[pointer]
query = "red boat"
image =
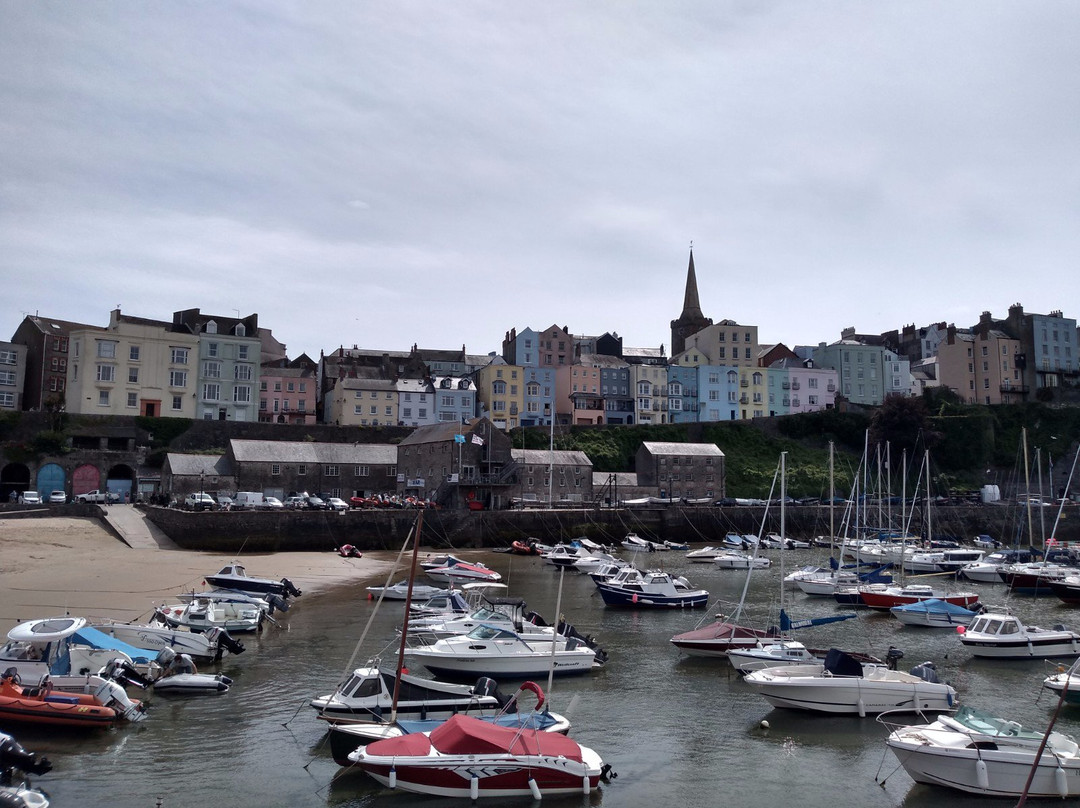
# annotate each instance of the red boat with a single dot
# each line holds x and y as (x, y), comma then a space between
(467, 757)
(716, 639)
(891, 596)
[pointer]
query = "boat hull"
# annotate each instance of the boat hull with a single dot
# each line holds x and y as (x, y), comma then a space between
(614, 596)
(716, 639)
(1004, 773)
(1033, 648)
(803, 688)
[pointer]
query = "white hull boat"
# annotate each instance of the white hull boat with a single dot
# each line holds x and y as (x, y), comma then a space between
(400, 591)
(503, 654)
(202, 614)
(1004, 636)
(235, 576)
(202, 646)
(735, 560)
(979, 753)
(841, 685)
(705, 555)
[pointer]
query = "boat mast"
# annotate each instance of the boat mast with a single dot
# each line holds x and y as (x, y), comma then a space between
(783, 524)
(1027, 489)
(405, 620)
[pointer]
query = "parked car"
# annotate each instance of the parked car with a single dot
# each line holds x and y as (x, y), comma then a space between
(295, 502)
(248, 499)
(316, 504)
(199, 502)
(57, 497)
(225, 503)
(30, 498)
(99, 496)
(337, 504)
(272, 503)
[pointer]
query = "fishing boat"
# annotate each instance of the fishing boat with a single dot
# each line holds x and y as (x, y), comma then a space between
(843, 685)
(469, 758)
(933, 613)
(652, 589)
(235, 576)
(999, 635)
(980, 753)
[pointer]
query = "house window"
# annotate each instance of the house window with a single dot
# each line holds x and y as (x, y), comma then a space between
(211, 392)
(275, 468)
(241, 350)
(106, 373)
(211, 348)
(177, 378)
(177, 402)
(361, 471)
(332, 471)
(103, 398)
(133, 375)
(106, 349)
(242, 394)
(242, 373)
(133, 399)
(133, 353)
(212, 370)
(301, 469)
(178, 356)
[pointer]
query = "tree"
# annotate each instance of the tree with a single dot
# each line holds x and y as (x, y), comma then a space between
(903, 422)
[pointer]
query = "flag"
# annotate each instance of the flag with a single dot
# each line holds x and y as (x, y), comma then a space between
(477, 440)
(459, 438)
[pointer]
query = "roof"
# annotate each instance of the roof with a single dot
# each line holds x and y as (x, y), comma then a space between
(190, 465)
(363, 383)
(274, 451)
(544, 457)
(682, 449)
(440, 433)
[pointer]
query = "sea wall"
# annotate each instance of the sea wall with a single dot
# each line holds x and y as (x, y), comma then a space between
(271, 531)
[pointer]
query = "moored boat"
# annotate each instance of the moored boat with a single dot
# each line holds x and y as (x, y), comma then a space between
(467, 757)
(933, 613)
(998, 635)
(652, 589)
(235, 576)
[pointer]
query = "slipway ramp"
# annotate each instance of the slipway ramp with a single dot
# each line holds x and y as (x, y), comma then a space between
(135, 530)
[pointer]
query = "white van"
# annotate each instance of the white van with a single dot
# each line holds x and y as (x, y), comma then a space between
(248, 499)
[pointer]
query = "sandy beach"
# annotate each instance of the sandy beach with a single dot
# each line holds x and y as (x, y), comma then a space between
(53, 566)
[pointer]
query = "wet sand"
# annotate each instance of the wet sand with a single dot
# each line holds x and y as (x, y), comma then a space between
(58, 565)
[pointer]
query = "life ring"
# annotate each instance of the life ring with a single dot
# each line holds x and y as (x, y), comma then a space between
(535, 688)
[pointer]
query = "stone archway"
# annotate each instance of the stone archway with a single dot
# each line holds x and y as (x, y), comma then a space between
(14, 479)
(51, 477)
(121, 481)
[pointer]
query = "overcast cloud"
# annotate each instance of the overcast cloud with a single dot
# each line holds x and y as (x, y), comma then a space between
(438, 173)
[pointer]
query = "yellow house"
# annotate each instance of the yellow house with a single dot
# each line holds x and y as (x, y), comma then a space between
(500, 390)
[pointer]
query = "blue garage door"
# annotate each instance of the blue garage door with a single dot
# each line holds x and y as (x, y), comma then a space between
(51, 477)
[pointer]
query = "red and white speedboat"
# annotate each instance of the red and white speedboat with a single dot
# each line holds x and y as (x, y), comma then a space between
(467, 757)
(891, 596)
(459, 572)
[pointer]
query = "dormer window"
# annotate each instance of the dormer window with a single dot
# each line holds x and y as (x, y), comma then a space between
(211, 327)
(241, 330)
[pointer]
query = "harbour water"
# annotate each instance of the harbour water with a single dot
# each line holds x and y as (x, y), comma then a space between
(677, 730)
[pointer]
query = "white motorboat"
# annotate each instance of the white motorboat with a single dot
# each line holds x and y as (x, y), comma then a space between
(400, 591)
(635, 543)
(979, 753)
(997, 635)
(367, 695)
(508, 613)
(567, 555)
(591, 563)
(443, 607)
(235, 576)
(501, 654)
(651, 589)
(469, 758)
(931, 561)
(158, 634)
(605, 572)
(201, 614)
(705, 555)
(737, 560)
(843, 685)
(771, 655)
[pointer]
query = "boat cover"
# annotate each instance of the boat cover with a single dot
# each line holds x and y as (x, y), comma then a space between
(99, 639)
(936, 606)
(465, 735)
(840, 664)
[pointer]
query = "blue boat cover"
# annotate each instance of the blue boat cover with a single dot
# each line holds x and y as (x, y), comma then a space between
(99, 639)
(935, 606)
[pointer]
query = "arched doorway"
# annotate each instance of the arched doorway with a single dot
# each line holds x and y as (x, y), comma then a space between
(14, 479)
(84, 479)
(51, 477)
(121, 481)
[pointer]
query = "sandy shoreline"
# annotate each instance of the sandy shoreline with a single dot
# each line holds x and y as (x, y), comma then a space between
(57, 565)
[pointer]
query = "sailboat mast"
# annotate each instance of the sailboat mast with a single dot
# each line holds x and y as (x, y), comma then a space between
(405, 621)
(783, 523)
(1027, 489)
(832, 500)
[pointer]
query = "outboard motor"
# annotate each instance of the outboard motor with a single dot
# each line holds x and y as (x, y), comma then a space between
(485, 686)
(927, 671)
(224, 641)
(119, 670)
(14, 756)
(12, 674)
(276, 602)
(892, 656)
(290, 589)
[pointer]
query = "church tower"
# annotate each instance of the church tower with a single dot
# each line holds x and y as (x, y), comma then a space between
(691, 320)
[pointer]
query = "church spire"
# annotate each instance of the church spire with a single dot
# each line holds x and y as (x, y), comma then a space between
(691, 307)
(692, 319)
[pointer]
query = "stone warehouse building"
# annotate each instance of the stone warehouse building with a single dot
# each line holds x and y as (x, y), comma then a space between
(681, 470)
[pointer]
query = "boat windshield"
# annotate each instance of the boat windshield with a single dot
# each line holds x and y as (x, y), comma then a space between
(491, 633)
(989, 724)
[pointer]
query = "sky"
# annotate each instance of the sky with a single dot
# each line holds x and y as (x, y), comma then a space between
(437, 173)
